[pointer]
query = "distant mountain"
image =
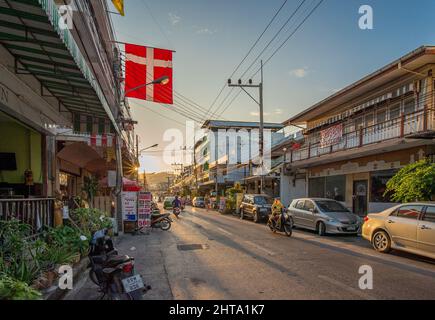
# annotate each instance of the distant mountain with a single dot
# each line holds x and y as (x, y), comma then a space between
(158, 177)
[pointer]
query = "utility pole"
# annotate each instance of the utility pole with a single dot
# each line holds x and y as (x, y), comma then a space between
(137, 158)
(260, 104)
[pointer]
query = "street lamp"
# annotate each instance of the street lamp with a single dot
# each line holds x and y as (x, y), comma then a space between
(138, 152)
(162, 80)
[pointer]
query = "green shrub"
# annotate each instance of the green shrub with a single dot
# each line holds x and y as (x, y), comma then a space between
(90, 220)
(13, 289)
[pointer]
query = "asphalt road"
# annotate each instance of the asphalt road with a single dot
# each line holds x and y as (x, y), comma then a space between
(207, 255)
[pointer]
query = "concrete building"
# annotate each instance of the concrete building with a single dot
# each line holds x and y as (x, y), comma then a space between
(61, 113)
(358, 138)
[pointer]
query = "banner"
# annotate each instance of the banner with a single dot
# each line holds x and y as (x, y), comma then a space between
(331, 136)
(129, 206)
(144, 209)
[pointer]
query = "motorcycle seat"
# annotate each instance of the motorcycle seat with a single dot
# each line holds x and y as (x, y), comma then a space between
(114, 261)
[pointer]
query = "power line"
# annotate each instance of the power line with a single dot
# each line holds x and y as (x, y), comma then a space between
(246, 56)
(291, 35)
(157, 23)
(274, 37)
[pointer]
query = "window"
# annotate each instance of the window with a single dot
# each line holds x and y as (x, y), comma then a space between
(309, 205)
(316, 188)
(394, 112)
(370, 120)
(408, 212)
(335, 188)
(429, 216)
(359, 123)
(76, 123)
(101, 125)
(409, 106)
(331, 206)
(379, 181)
(89, 124)
(381, 116)
(262, 200)
(300, 204)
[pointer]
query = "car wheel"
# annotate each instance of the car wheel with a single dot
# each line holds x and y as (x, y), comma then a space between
(256, 217)
(321, 229)
(381, 242)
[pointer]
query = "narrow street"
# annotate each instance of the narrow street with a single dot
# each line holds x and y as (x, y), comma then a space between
(207, 255)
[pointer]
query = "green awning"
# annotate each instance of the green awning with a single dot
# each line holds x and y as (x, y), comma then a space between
(30, 31)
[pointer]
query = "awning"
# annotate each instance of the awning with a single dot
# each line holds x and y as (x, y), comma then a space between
(127, 184)
(84, 156)
(30, 31)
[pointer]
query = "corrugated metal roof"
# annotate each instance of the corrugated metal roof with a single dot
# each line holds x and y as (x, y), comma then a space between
(222, 124)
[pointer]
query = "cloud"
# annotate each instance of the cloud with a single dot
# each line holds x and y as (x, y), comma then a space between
(300, 72)
(173, 18)
(266, 114)
(205, 31)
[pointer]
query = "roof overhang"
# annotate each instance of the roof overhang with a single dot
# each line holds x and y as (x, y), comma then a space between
(30, 31)
(412, 61)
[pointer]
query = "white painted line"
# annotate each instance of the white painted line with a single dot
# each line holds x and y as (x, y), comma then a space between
(357, 292)
(269, 252)
(225, 231)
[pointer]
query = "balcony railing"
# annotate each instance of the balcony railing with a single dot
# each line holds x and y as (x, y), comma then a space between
(35, 212)
(420, 121)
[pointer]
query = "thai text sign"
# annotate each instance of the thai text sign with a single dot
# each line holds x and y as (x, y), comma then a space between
(129, 206)
(331, 136)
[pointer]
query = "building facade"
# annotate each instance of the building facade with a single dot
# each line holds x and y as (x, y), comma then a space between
(358, 138)
(60, 104)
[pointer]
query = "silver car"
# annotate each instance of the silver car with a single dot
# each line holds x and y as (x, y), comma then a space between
(408, 227)
(324, 216)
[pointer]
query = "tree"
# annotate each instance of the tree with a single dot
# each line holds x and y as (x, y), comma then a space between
(414, 182)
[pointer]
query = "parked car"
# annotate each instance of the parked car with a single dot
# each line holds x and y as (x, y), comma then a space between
(256, 206)
(408, 227)
(198, 202)
(167, 203)
(323, 216)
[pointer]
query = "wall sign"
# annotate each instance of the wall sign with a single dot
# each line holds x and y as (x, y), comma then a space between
(331, 136)
(144, 209)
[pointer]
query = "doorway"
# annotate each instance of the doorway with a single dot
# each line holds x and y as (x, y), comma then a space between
(360, 197)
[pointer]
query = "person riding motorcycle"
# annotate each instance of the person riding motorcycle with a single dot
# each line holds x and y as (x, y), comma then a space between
(277, 208)
(176, 203)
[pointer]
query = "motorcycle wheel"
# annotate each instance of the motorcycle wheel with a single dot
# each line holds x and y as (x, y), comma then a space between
(165, 225)
(93, 277)
(288, 229)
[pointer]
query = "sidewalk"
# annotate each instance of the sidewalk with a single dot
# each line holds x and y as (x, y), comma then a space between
(149, 262)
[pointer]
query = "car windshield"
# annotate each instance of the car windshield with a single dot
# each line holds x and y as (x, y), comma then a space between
(331, 206)
(200, 199)
(262, 200)
(169, 199)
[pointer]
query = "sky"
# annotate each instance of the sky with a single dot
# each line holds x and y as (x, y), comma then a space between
(211, 37)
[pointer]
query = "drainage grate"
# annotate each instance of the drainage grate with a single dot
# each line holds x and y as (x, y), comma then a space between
(190, 247)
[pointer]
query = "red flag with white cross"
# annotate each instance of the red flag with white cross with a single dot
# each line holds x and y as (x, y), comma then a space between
(144, 67)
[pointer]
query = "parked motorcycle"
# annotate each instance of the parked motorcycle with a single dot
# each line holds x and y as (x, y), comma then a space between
(161, 221)
(114, 274)
(286, 225)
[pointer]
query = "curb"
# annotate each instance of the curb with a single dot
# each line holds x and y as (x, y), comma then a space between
(55, 293)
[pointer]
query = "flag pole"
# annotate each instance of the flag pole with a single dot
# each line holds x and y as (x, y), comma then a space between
(120, 42)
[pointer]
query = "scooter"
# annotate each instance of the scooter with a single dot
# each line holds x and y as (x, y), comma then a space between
(114, 274)
(176, 211)
(161, 221)
(286, 224)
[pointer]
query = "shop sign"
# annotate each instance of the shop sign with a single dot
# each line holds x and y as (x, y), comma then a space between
(144, 209)
(129, 206)
(331, 136)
